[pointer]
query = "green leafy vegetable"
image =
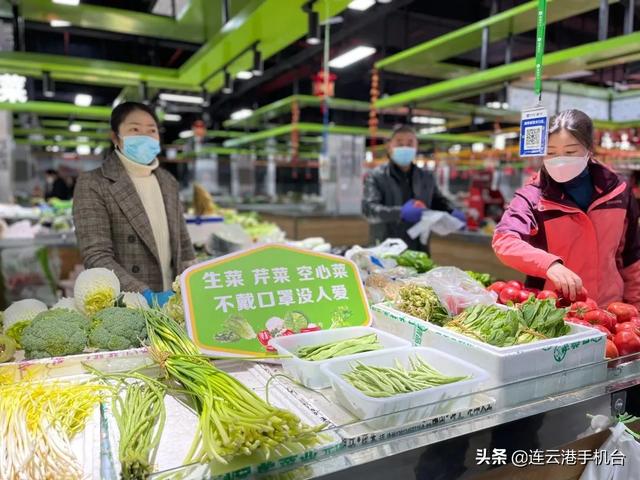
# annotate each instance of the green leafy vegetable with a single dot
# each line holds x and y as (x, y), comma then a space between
(541, 319)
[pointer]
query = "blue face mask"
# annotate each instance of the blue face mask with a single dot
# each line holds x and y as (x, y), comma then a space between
(403, 156)
(140, 148)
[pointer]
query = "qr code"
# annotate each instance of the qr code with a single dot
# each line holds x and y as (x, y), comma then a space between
(533, 137)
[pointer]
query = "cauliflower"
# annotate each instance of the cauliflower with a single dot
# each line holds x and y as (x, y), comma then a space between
(96, 289)
(19, 315)
(118, 329)
(134, 300)
(55, 333)
(67, 303)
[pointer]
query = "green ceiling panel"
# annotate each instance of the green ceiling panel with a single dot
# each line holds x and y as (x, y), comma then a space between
(609, 52)
(188, 28)
(273, 23)
(425, 59)
(51, 132)
(84, 125)
(347, 130)
(55, 109)
(81, 70)
(62, 144)
(282, 107)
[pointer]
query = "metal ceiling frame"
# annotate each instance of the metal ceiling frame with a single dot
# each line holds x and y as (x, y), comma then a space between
(347, 130)
(426, 58)
(58, 109)
(583, 57)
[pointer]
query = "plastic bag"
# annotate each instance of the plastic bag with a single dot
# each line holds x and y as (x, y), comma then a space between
(369, 260)
(619, 444)
(455, 288)
(440, 223)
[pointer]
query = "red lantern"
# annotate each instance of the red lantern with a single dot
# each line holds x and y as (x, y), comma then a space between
(319, 83)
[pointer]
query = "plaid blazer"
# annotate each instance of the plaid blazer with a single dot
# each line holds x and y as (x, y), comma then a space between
(113, 229)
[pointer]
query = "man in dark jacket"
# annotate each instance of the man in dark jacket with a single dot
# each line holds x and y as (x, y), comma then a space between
(396, 194)
(56, 187)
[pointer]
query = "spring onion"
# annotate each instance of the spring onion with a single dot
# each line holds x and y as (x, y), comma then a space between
(233, 420)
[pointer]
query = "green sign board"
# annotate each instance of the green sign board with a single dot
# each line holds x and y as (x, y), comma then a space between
(235, 304)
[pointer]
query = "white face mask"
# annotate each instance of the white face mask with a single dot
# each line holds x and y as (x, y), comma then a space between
(564, 169)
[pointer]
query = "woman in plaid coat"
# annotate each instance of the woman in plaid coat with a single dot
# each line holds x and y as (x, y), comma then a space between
(127, 213)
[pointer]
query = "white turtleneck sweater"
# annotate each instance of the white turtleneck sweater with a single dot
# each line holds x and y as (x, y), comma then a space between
(146, 184)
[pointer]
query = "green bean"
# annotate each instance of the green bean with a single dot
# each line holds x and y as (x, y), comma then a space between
(340, 348)
(388, 381)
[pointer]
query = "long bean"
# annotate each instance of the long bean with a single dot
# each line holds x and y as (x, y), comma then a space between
(340, 348)
(388, 381)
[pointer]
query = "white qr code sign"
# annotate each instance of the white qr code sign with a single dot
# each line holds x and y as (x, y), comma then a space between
(533, 132)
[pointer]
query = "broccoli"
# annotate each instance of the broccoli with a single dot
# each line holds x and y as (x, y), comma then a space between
(55, 333)
(117, 329)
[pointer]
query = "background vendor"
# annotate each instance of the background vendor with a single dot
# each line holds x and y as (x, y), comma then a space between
(127, 213)
(575, 225)
(396, 194)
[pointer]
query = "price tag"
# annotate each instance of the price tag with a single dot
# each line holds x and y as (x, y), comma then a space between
(235, 304)
(533, 132)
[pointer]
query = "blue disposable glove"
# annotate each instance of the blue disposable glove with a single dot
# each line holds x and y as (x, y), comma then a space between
(459, 214)
(412, 211)
(157, 299)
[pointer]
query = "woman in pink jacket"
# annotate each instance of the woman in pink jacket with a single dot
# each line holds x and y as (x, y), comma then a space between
(575, 225)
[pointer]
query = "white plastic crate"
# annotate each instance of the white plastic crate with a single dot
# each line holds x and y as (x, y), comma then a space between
(433, 400)
(310, 373)
(582, 346)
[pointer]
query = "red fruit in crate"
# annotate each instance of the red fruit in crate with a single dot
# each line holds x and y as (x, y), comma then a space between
(627, 326)
(544, 294)
(627, 342)
(515, 284)
(497, 287)
(604, 330)
(601, 317)
(579, 309)
(623, 311)
(524, 296)
(591, 303)
(612, 350)
(509, 294)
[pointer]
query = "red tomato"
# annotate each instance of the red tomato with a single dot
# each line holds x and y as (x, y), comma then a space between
(310, 329)
(509, 294)
(497, 287)
(579, 309)
(263, 337)
(627, 342)
(612, 350)
(623, 311)
(515, 284)
(601, 317)
(286, 333)
(524, 296)
(591, 303)
(627, 326)
(581, 296)
(635, 321)
(535, 291)
(604, 330)
(544, 294)
(578, 321)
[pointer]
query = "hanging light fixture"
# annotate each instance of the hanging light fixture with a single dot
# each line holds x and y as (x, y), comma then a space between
(313, 36)
(227, 89)
(258, 63)
(48, 86)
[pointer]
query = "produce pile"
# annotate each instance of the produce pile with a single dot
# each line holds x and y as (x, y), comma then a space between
(382, 382)
(341, 348)
(233, 420)
(38, 421)
(99, 317)
(533, 320)
(423, 303)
